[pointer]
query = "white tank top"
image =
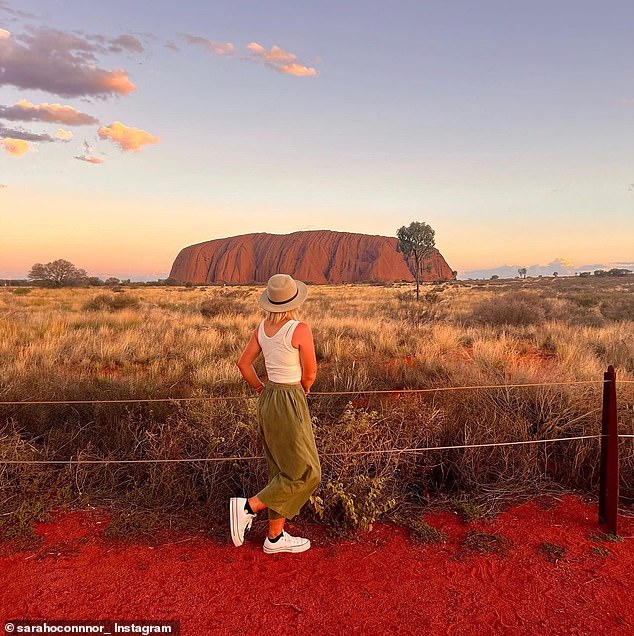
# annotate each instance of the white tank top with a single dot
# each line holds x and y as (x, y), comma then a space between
(280, 356)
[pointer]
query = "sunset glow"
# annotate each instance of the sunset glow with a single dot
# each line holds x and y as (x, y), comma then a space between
(127, 134)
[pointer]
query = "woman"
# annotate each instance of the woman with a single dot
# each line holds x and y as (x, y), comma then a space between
(283, 416)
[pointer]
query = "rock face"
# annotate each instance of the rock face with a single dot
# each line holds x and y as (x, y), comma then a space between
(316, 256)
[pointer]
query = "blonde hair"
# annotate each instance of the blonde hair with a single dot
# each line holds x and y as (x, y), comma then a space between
(279, 316)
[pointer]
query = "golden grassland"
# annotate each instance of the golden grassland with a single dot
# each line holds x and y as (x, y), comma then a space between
(160, 342)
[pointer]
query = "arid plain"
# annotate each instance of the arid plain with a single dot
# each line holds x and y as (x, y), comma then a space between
(128, 343)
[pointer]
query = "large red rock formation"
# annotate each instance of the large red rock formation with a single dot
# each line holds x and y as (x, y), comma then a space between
(317, 256)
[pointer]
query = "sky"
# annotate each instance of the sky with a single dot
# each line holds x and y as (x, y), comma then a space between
(129, 130)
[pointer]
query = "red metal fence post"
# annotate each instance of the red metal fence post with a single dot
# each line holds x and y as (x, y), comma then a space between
(609, 467)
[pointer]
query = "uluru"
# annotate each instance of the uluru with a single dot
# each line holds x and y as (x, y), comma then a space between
(314, 256)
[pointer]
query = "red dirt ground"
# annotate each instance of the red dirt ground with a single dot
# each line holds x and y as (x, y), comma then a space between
(381, 584)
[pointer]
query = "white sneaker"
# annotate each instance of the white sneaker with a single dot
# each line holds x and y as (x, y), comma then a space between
(239, 519)
(286, 543)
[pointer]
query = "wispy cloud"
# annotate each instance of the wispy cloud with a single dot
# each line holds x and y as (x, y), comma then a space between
(4, 34)
(3, 185)
(125, 43)
(281, 60)
(5, 8)
(218, 48)
(54, 113)
(274, 58)
(20, 133)
(61, 63)
(64, 135)
(89, 159)
(128, 138)
(15, 147)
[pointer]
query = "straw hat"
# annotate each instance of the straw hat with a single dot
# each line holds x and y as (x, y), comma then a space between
(283, 293)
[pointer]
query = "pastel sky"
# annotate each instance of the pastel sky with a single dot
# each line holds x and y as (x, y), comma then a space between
(129, 130)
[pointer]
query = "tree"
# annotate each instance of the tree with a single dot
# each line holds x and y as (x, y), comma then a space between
(416, 242)
(59, 273)
(522, 272)
(555, 274)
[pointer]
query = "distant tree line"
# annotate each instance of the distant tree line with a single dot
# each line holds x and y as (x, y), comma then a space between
(62, 273)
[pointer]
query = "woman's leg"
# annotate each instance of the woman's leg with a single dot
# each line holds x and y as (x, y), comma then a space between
(275, 525)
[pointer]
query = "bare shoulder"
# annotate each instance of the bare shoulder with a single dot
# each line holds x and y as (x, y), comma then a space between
(302, 334)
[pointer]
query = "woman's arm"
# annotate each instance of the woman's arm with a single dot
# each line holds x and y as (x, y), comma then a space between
(245, 363)
(303, 340)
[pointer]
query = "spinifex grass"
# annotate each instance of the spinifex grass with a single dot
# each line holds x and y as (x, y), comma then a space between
(181, 342)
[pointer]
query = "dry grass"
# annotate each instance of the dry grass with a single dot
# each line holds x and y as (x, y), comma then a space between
(183, 342)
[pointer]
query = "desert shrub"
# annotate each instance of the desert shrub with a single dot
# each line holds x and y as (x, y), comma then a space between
(619, 308)
(354, 506)
(21, 291)
(516, 309)
(106, 302)
(220, 305)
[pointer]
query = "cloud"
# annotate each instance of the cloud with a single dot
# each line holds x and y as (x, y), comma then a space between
(3, 185)
(171, 46)
(129, 139)
(218, 48)
(19, 133)
(281, 60)
(4, 34)
(54, 113)
(89, 159)
(64, 135)
(119, 44)
(4, 6)
(61, 63)
(126, 42)
(275, 58)
(15, 147)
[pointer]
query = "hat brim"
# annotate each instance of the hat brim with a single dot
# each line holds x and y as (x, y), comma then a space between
(302, 292)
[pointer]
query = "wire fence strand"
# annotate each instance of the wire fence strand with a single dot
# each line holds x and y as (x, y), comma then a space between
(315, 394)
(387, 451)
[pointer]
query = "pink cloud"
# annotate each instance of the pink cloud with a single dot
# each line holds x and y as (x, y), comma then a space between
(54, 113)
(281, 60)
(276, 58)
(128, 138)
(15, 147)
(89, 159)
(61, 63)
(218, 48)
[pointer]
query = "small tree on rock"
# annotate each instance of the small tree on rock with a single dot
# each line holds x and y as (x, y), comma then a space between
(416, 242)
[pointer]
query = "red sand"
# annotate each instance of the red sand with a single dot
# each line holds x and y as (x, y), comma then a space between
(380, 584)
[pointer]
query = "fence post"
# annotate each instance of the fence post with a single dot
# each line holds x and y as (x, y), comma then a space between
(609, 467)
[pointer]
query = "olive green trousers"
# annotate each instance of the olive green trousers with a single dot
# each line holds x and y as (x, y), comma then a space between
(289, 448)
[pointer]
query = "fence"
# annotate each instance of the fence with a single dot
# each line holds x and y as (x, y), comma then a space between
(609, 436)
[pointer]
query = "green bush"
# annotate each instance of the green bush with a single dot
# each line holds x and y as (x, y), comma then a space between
(21, 291)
